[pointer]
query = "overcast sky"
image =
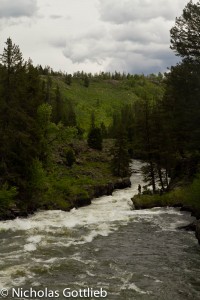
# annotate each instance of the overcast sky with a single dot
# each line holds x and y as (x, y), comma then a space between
(92, 35)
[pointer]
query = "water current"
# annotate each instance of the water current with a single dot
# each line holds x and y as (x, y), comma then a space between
(108, 245)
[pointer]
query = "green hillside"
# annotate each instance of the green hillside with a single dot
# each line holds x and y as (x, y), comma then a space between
(105, 97)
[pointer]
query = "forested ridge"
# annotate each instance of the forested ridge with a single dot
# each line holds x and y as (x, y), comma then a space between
(63, 134)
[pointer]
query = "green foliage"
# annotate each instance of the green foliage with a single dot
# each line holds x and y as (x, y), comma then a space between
(19, 99)
(146, 201)
(185, 34)
(69, 115)
(56, 196)
(182, 107)
(121, 159)
(11, 57)
(188, 195)
(95, 138)
(58, 106)
(103, 97)
(68, 79)
(70, 157)
(86, 81)
(192, 193)
(7, 196)
(38, 177)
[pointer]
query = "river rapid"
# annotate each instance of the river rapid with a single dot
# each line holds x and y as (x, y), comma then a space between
(130, 254)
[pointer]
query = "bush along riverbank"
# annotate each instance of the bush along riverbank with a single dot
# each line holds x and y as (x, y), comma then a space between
(187, 198)
(65, 185)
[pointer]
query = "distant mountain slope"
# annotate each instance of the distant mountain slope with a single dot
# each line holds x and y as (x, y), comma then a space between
(104, 97)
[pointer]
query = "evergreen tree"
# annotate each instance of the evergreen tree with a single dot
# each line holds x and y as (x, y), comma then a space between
(103, 130)
(185, 34)
(70, 157)
(68, 79)
(19, 98)
(58, 106)
(121, 159)
(48, 89)
(69, 118)
(95, 138)
(86, 81)
(182, 113)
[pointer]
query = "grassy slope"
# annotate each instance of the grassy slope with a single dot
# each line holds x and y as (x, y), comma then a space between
(61, 185)
(65, 185)
(187, 196)
(103, 97)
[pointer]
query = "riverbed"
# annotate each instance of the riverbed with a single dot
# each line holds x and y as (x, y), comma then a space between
(108, 245)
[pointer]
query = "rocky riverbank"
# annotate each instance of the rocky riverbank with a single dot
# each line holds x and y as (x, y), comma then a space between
(79, 201)
(101, 190)
(151, 201)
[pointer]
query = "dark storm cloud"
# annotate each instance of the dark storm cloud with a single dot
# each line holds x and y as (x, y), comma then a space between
(55, 17)
(94, 35)
(17, 8)
(58, 42)
(124, 11)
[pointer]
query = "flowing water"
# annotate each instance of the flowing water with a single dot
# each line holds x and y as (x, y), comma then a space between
(129, 254)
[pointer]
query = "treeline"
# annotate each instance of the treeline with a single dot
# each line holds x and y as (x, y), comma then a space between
(35, 122)
(165, 131)
(67, 77)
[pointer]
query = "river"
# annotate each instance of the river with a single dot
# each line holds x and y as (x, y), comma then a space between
(129, 254)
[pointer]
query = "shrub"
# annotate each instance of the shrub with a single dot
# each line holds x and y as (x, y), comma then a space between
(7, 195)
(70, 157)
(95, 138)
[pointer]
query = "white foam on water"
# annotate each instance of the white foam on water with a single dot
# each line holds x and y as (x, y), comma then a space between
(105, 210)
(33, 242)
(154, 278)
(126, 279)
(90, 274)
(30, 247)
(34, 239)
(133, 286)
(14, 275)
(58, 229)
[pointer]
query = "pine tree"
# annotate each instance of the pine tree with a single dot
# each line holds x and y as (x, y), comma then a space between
(86, 81)
(69, 117)
(68, 79)
(58, 106)
(185, 34)
(19, 99)
(95, 138)
(121, 159)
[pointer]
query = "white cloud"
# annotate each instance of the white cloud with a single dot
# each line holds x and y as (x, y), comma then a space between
(17, 8)
(124, 11)
(94, 35)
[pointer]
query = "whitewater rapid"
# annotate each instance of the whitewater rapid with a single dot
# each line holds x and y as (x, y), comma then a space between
(55, 248)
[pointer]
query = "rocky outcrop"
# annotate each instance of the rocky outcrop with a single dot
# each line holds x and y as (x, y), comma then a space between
(107, 189)
(12, 214)
(80, 200)
(122, 183)
(194, 226)
(189, 227)
(101, 190)
(197, 231)
(195, 213)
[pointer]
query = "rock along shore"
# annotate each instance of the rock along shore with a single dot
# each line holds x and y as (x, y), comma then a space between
(194, 226)
(79, 201)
